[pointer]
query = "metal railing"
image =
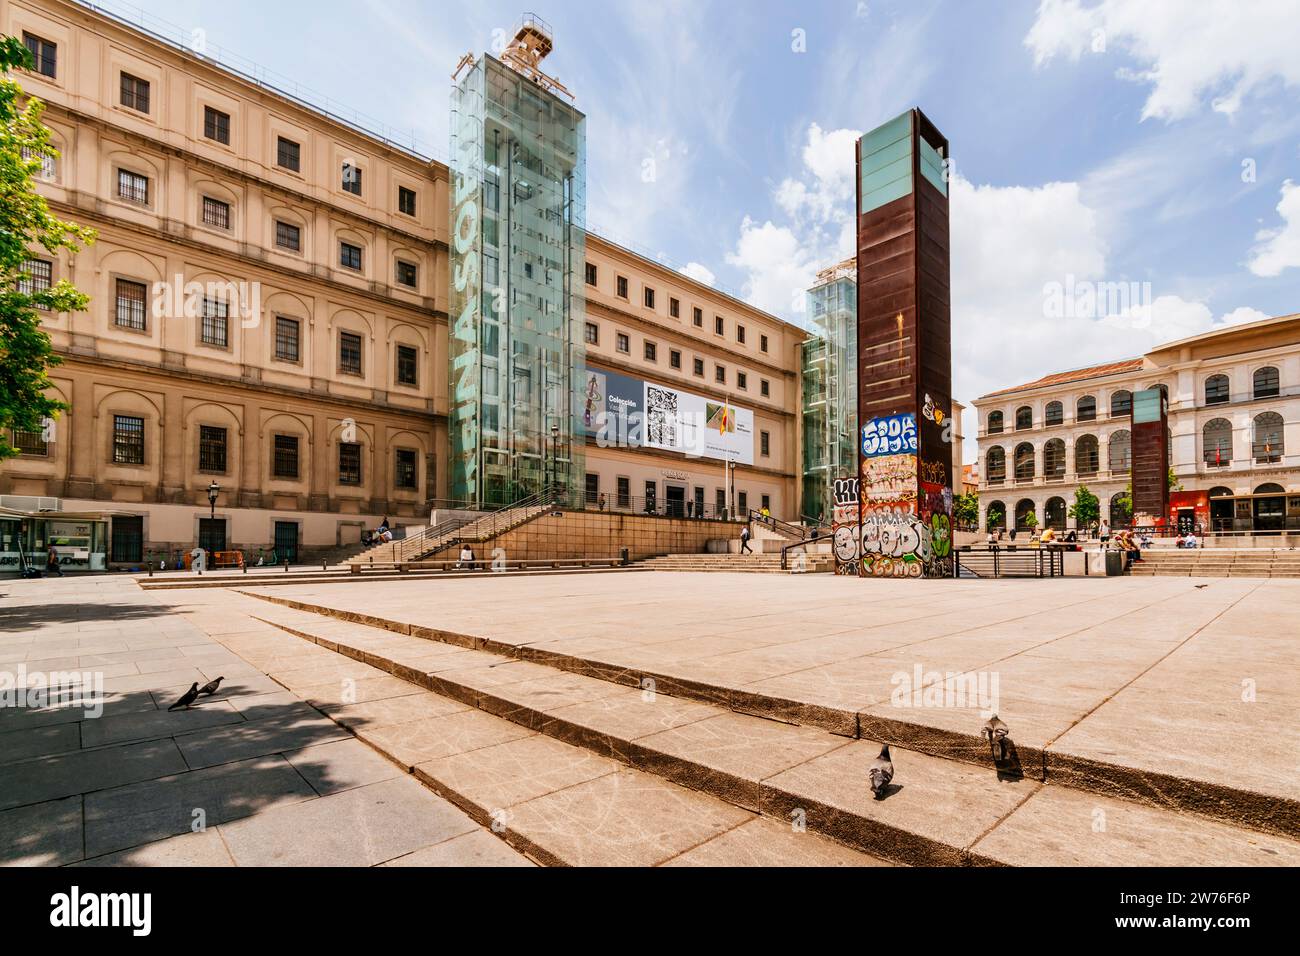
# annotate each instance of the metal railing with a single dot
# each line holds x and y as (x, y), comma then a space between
(1010, 562)
(797, 531)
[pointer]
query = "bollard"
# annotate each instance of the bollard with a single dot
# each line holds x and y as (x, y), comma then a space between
(286, 565)
(324, 565)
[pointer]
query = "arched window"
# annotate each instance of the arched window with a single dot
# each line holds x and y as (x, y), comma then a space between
(1164, 390)
(996, 465)
(1054, 513)
(1121, 402)
(995, 515)
(1216, 390)
(1120, 457)
(1054, 459)
(1218, 491)
(1267, 382)
(1054, 414)
(1120, 515)
(995, 423)
(1024, 418)
(1216, 437)
(1087, 456)
(1025, 508)
(1268, 437)
(1024, 462)
(1270, 488)
(1086, 409)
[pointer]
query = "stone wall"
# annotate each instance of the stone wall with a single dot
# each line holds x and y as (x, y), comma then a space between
(594, 534)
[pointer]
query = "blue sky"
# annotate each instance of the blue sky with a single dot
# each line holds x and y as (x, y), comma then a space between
(1104, 140)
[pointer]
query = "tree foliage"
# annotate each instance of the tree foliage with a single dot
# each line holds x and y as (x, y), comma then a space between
(26, 354)
(1086, 510)
(966, 509)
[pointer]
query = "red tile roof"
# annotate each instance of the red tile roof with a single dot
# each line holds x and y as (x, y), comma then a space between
(1078, 374)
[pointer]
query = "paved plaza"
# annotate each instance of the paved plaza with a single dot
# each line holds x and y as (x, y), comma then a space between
(656, 719)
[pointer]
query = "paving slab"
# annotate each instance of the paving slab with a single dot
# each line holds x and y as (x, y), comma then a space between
(767, 842)
(43, 834)
(49, 778)
(190, 849)
(478, 848)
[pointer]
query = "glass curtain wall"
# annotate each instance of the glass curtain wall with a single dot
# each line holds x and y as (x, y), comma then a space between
(830, 413)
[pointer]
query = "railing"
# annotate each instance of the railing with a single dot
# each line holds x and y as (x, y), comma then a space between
(1010, 562)
(798, 532)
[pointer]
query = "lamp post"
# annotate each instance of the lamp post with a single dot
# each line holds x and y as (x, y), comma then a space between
(213, 490)
(555, 457)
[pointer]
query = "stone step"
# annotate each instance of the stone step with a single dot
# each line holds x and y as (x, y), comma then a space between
(939, 812)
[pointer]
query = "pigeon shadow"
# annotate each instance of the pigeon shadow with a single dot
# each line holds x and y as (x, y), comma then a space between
(1007, 762)
(888, 790)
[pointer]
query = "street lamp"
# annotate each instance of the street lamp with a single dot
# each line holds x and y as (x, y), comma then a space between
(555, 457)
(213, 490)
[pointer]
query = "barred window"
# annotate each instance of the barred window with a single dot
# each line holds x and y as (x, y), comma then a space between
(128, 440)
(698, 367)
(764, 387)
(742, 380)
(697, 316)
(407, 365)
(212, 449)
(30, 442)
(406, 273)
(675, 308)
(350, 353)
(135, 93)
(39, 274)
(352, 179)
(349, 463)
(286, 339)
(216, 213)
(406, 200)
(404, 469)
(675, 358)
(288, 236)
(285, 460)
(740, 334)
(48, 170)
(214, 326)
(44, 53)
(288, 154)
(349, 256)
(130, 305)
(762, 343)
(216, 125)
(720, 374)
(651, 352)
(621, 287)
(132, 187)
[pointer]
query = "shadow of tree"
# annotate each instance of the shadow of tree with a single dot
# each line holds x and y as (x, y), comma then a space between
(35, 616)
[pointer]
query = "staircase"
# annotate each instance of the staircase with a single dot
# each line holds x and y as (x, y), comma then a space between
(758, 563)
(1219, 563)
(454, 532)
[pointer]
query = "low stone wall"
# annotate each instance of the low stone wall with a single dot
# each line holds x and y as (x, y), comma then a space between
(595, 534)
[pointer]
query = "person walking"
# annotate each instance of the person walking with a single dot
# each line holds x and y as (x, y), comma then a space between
(1103, 534)
(52, 562)
(744, 541)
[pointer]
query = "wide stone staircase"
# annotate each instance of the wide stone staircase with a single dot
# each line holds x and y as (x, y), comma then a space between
(1219, 563)
(428, 542)
(758, 563)
(578, 761)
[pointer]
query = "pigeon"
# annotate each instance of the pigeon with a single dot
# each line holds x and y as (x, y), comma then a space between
(1199, 586)
(210, 688)
(880, 773)
(187, 698)
(996, 732)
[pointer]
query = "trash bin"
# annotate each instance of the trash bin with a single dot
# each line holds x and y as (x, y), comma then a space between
(1114, 563)
(623, 554)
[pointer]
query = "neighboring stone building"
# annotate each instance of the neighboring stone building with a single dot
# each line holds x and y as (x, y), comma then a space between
(1234, 415)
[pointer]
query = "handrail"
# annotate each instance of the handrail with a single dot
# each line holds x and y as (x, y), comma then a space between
(788, 547)
(776, 524)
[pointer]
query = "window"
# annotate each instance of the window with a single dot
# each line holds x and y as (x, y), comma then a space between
(767, 503)
(623, 492)
(47, 170)
(288, 236)
(764, 444)
(352, 179)
(349, 463)
(214, 325)
(129, 312)
(1024, 462)
(405, 469)
(408, 359)
(742, 380)
(648, 296)
(44, 54)
(1217, 439)
(699, 367)
(1121, 403)
(1120, 454)
(349, 353)
(1216, 390)
(132, 187)
(995, 423)
(742, 506)
(38, 275)
(1086, 409)
(216, 213)
(996, 465)
(1087, 455)
(285, 460)
(622, 342)
(216, 125)
(406, 274)
(1024, 418)
(591, 334)
(720, 374)
(762, 343)
(719, 327)
(675, 358)
(29, 442)
(592, 489)
(764, 387)
(697, 316)
(212, 449)
(1054, 414)
(1266, 382)
(134, 93)
(1054, 459)
(651, 352)
(651, 497)
(286, 339)
(591, 273)
(1268, 437)
(350, 256)
(675, 308)
(288, 154)
(621, 287)
(406, 200)
(740, 334)
(128, 440)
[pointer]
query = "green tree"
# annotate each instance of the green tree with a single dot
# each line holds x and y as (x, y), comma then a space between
(1086, 510)
(995, 516)
(966, 510)
(26, 354)
(1031, 520)
(1125, 500)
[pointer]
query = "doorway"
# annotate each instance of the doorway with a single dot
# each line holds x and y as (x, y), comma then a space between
(286, 542)
(676, 500)
(212, 534)
(128, 538)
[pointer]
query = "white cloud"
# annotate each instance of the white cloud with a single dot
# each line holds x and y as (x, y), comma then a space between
(1279, 248)
(1222, 50)
(698, 272)
(779, 264)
